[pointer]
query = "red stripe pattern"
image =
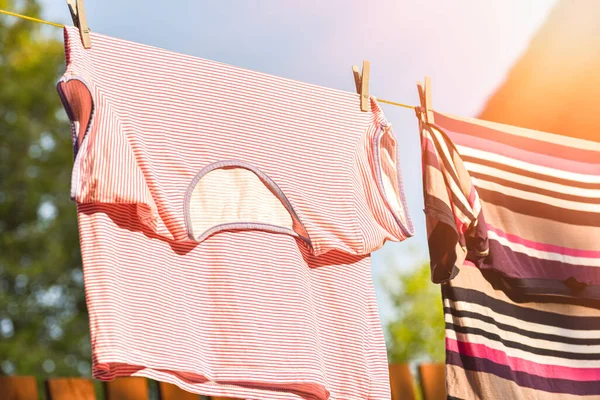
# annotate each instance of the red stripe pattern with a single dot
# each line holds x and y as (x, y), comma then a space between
(249, 312)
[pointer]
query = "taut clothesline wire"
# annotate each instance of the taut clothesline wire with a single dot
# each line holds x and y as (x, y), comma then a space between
(393, 103)
(31, 18)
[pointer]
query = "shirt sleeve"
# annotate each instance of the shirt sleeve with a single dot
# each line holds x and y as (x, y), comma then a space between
(388, 218)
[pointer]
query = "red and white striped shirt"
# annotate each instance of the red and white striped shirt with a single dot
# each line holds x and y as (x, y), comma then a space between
(226, 220)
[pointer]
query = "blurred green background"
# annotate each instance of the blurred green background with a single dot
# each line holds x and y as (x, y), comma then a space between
(43, 320)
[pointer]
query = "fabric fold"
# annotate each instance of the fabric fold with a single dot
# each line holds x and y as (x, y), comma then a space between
(514, 236)
(516, 213)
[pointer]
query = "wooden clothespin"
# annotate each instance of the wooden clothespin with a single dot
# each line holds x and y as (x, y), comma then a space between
(425, 97)
(361, 80)
(79, 20)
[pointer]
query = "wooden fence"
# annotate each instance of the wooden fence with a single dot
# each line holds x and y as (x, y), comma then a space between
(430, 378)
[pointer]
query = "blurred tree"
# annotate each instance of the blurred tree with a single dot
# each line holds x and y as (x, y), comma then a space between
(417, 332)
(43, 319)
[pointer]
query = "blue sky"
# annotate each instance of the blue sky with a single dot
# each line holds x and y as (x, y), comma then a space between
(466, 47)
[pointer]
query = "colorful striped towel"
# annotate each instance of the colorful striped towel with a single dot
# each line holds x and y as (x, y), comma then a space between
(514, 234)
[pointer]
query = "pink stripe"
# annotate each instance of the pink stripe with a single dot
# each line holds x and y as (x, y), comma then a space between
(428, 144)
(551, 248)
(473, 129)
(519, 364)
(472, 195)
(516, 153)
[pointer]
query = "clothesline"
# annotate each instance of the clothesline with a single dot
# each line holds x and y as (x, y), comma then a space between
(31, 18)
(393, 103)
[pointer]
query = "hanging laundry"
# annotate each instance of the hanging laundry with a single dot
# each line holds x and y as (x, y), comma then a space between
(226, 221)
(514, 233)
(542, 202)
(498, 348)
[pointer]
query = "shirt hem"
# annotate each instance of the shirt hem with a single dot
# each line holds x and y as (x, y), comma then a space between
(241, 382)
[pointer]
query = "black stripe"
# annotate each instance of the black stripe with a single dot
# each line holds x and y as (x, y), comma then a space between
(540, 210)
(557, 320)
(552, 277)
(535, 175)
(522, 379)
(510, 328)
(528, 291)
(520, 264)
(520, 346)
(441, 240)
(535, 189)
(440, 210)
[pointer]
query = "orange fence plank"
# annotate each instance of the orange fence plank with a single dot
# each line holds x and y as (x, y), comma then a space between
(433, 381)
(18, 388)
(70, 389)
(130, 388)
(401, 382)
(169, 391)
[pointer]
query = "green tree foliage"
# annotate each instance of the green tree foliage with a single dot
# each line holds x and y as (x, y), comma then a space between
(417, 332)
(43, 319)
